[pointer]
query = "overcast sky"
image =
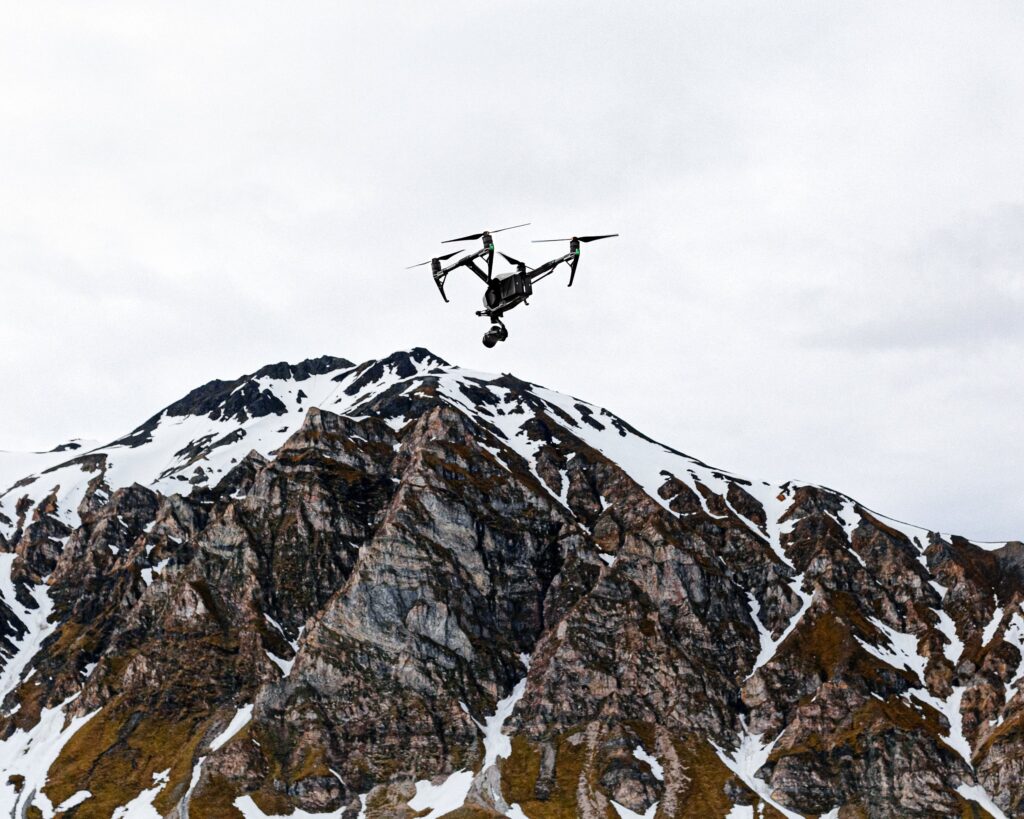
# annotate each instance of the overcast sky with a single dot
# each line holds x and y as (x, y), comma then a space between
(820, 274)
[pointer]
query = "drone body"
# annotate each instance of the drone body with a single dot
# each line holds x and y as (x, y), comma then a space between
(510, 289)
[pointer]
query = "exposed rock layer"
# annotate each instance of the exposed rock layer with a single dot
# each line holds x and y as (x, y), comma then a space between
(420, 541)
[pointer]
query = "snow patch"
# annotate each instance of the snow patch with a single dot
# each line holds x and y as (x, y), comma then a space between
(656, 770)
(774, 501)
(626, 813)
(275, 624)
(36, 622)
(160, 461)
(31, 755)
(901, 651)
(768, 645)
(197, 771)
(947, 627)
(849, 519)
(1014, 635)
(73, 801)
(444, 798)
(238, 722)
(977, 793)
(496, 744)
(950, 709)
(992, 627)
(141, 807)
(250, 810)
(280, 662)
(147, 573)
(747, 760)
(939, 588)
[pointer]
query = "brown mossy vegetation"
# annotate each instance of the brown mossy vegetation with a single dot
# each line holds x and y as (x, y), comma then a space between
(520, 772)
(704, 793)
(471, 812)
(118, 751)
(277, 766)
(144, 730)
(873, 719)
(483, 482)
(824, 643)
(31, 696)
(1011, 731)
(853, 810)
(701, 793)
(216, 800)
(75, 638)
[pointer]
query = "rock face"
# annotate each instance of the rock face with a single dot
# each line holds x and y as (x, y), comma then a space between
(402, 589)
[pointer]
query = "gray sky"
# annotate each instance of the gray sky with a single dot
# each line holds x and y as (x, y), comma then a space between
(821, 268)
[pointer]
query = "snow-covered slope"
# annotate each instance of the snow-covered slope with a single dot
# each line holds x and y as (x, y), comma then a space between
(652, 572)
(196, 440)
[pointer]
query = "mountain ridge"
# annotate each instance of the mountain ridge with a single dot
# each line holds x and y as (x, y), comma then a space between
(241, 399)
(559, 616)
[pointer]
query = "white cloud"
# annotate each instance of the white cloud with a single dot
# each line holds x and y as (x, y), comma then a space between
(819, 268)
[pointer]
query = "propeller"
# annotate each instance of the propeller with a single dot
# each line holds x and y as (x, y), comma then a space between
(478, 235)
(439, 258)
(579, 238)
(516, 262)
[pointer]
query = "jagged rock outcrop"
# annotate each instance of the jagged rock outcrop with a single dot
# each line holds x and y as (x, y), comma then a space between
(397, 587)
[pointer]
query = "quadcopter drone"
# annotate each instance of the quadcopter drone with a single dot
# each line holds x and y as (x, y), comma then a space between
(505, 290)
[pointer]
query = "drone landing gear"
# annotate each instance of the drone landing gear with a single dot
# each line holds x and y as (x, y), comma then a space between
(497, 333)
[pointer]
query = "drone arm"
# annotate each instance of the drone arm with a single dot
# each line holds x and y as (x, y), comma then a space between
(546, 269)
(484, 277)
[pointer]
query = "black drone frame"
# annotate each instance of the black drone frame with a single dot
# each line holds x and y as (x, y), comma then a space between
(511, 289)
(486, 253)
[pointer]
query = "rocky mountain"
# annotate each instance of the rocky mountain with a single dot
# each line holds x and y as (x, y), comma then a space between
(407, 589)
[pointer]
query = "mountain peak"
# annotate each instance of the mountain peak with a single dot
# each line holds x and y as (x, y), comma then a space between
(326, 581)
(245, 397)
